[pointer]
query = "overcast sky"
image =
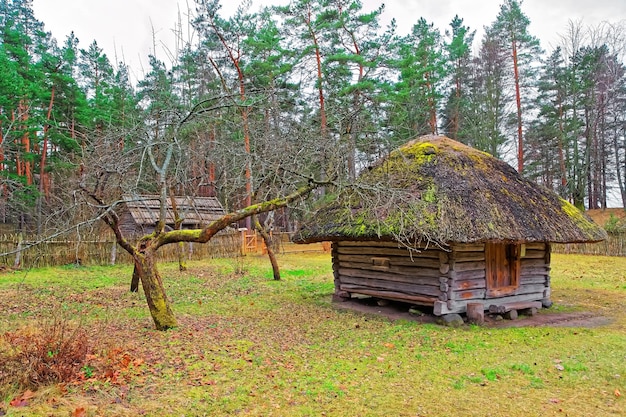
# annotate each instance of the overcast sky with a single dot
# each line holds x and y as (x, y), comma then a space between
(125, 26)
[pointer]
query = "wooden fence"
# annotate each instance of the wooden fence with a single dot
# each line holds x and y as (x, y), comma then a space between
(615, 245)
(97, 251)
(102, 252)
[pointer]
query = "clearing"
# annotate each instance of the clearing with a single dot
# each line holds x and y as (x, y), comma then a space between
(251, 346)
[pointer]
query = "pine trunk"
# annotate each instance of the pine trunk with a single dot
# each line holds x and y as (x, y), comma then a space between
(518, 102)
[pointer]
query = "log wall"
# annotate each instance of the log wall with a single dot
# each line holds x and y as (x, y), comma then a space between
(467, 283)
(446, 280)
(385, 270)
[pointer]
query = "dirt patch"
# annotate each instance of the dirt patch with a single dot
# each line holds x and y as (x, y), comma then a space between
(400, 311)
(550, 319)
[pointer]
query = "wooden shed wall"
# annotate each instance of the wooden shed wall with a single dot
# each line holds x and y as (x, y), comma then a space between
(446, 280)
(467, 284)
(383, 270)
(129, 226)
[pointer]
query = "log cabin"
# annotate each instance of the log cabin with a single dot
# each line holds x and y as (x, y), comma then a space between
(440, 224)
(140, 213)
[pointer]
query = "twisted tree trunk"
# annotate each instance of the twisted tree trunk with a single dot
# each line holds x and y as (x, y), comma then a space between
(268, 244)
(153, 288)
(144, 254)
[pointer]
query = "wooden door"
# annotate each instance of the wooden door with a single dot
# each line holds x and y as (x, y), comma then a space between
(502, 267)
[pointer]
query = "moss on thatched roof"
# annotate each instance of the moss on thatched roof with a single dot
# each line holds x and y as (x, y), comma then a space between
(435, 189)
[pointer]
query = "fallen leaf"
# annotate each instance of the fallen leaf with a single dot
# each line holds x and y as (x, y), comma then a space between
(617, 393)
(18, 402)
(22, 400)
(28, 395)
(125, 360)
(79, 412)
(559, 367)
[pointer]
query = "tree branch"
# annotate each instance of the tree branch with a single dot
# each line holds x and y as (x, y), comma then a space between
(204, 235)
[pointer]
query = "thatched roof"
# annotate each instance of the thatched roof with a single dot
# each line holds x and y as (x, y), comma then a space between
(435, 189)
(195, 211)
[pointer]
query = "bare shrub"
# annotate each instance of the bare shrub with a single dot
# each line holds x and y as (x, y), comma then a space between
(53, 351)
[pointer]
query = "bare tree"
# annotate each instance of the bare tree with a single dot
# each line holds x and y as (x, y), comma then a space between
(154, 164)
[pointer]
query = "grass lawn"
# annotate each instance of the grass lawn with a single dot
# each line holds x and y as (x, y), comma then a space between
(251, 346)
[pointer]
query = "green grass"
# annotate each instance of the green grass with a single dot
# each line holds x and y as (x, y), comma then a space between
(248, 345)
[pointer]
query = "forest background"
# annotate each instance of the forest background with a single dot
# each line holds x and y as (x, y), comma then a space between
(318, 88)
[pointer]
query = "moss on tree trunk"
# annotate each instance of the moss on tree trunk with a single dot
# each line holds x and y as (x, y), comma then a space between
(154, 291)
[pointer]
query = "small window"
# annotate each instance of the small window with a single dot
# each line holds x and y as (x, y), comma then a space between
(502, 268)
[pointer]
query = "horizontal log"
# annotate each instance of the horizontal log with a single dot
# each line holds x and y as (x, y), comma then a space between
(468, 284)
(468, 256)
(376, 251)
(467, 266)
(367, 267)
(533, 263)
(415, 261)
(515, 298)
(534, 254)
(412, 289)
(466, 275)
(460, 306)
(534, 270)
(508, 306)
(388, 276)
(533, 279)
(468, 294)
(390, 295)
(535, 246)
(393, 269)
(522, 289)
(469, 247)
(501, 291)
(530, 288)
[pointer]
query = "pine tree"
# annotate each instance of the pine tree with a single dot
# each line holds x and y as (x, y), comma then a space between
(421, 66)
(458, 50)
(511, 29)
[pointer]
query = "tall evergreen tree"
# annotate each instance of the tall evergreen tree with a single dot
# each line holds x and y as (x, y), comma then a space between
(354, 72)
(487, 99)
(511, 29)
(422, 69)
(459, 53)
